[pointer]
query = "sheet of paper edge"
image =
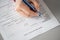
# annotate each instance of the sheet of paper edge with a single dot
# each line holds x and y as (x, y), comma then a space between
(38, 32)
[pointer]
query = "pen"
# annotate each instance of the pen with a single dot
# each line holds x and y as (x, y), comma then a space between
(31, 6)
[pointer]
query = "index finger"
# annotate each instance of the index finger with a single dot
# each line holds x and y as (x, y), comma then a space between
(35, 3)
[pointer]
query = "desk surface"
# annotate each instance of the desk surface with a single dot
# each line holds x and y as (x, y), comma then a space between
(53, 34)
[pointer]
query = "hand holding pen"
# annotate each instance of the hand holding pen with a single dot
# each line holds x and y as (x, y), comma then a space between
(24, 8)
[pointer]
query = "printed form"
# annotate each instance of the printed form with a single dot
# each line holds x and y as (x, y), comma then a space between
(15, 27)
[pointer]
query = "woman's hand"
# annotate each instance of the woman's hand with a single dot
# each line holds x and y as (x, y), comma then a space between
(24, 10)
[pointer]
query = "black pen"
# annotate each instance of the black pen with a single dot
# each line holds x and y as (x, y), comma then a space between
(31, 7)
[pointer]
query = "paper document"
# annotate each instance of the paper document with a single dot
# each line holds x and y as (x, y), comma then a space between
(15, 27)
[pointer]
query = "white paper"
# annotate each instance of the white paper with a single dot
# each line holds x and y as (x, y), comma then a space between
(15, 27)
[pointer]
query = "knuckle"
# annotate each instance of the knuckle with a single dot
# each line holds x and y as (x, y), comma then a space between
(17, 9)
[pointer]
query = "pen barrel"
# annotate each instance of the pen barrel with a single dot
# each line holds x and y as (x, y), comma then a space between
(30, 5)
